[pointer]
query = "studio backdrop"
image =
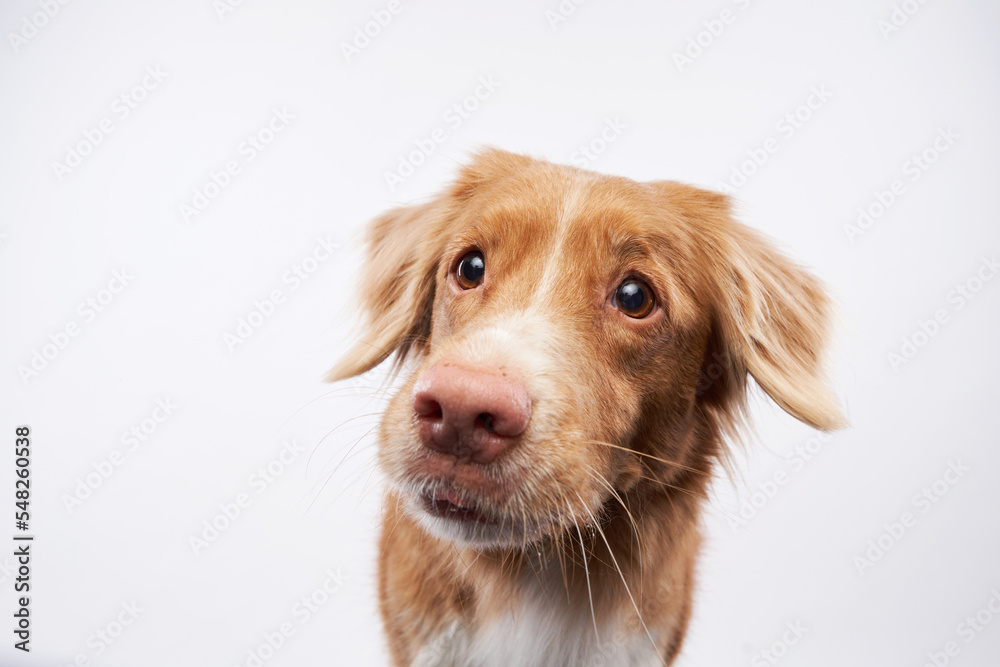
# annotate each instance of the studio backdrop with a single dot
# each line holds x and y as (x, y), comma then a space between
(183, 190)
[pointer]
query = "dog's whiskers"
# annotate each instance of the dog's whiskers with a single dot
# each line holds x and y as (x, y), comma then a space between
(327, 477)
(621, 574)
(635, 526)
(335, 429)
(674, 464)
(586, 570)
(702, 495)
(337, 393)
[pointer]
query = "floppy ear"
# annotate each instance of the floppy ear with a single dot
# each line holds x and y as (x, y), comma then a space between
(772, 317)
(404, 247)
(397, 288)
(776, 319)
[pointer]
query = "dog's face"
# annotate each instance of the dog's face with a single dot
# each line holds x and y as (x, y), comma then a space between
(570, 338)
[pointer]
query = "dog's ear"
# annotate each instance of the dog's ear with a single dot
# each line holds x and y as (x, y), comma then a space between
(776, 318)
(396, 292)
(404, 247)
(771, 316)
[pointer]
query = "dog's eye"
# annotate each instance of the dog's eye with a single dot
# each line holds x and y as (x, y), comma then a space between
(634, 298)
(470, 270)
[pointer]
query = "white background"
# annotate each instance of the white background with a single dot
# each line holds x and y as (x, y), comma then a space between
(63, 235)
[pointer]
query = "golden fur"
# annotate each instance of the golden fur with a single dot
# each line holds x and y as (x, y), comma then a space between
(628, 416)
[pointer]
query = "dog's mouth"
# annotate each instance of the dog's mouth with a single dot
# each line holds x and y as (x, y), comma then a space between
(467, 506)
(451, 505)
(449, 512)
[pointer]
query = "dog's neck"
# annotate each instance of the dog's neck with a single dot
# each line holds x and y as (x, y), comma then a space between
(624, 580)
(611, 588)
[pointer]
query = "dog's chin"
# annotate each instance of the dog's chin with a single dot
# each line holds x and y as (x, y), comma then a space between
(449, 514)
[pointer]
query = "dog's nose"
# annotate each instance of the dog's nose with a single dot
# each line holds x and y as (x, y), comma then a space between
(471, 414)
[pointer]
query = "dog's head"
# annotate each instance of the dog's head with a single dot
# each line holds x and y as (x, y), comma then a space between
(571, 337)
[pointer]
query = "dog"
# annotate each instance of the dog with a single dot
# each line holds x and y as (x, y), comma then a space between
(577, 351)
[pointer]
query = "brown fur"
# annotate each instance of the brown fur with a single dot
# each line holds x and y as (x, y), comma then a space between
(629, 416)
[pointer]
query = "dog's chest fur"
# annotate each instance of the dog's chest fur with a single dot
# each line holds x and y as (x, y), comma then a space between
(538, 631)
